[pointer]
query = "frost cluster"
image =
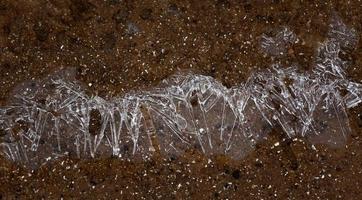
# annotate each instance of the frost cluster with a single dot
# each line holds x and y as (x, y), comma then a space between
(55, 117)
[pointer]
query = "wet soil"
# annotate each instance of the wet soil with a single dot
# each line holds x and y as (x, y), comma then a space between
(116, 46)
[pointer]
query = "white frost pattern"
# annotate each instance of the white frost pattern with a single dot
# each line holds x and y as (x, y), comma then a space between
(278, 44)
(56, 117)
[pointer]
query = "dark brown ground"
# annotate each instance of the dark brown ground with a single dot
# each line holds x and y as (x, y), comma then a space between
(122, 45)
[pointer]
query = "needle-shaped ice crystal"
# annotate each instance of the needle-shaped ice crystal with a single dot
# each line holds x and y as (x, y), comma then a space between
(278, 43)
(55, 117)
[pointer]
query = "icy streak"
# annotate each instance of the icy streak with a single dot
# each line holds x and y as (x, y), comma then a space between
(190, 111)
(55, 117)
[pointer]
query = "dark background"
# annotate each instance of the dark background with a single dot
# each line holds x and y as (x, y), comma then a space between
(119, 46)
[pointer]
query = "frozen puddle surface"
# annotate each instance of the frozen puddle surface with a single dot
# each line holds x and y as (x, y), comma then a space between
(55, 117)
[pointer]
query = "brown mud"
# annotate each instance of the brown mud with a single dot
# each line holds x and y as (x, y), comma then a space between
(116, 46)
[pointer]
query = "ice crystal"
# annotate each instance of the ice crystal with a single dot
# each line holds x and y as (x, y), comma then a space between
(55, 117)
(278, 43)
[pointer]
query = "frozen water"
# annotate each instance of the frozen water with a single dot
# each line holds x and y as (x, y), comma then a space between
(55, 117)
(338, 31)
(278, 43)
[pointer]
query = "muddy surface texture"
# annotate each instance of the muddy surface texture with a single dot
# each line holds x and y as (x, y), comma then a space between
(116, 46)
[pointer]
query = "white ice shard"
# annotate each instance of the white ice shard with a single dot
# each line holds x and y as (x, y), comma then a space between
(278, 43)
